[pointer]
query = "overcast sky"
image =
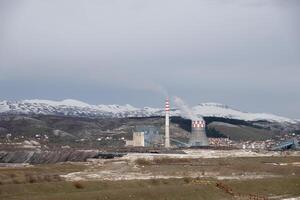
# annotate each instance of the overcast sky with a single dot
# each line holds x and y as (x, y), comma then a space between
(244, 53)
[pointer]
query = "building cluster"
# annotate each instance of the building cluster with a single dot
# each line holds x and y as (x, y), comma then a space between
(220, 142)
(146, 136)
(149, 135)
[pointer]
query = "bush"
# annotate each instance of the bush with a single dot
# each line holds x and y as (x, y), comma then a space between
(142, 161)
(32, 178)
(187, 179)
(154, 181)
(169, 160)
(12, 175)
(17, 181)
(78, 185)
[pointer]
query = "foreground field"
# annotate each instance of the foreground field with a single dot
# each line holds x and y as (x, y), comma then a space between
(186, 188)
(156, 177)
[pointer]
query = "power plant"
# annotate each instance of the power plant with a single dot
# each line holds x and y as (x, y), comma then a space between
(147, 136)
(198, 136)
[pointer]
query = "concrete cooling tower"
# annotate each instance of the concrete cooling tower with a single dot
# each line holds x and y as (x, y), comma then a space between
(198, 136)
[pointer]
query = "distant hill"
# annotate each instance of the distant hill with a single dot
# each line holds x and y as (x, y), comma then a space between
(76, 108)
(75, 123)
(84, 132)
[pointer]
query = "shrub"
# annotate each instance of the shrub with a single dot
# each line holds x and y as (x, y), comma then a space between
(78, 185)
(154, 181)
(12, 175)
(56, 177)
(142, 161)
(32, 178)
(168, 160)
(17, 181)
(48, 178)
(187, 179)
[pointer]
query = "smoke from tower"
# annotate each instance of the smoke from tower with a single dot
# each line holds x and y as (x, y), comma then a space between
(185, 111)
(198, 136)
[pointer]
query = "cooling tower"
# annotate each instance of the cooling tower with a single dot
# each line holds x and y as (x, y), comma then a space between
(198, 136)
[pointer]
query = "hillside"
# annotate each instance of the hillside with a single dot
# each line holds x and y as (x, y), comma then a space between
(82, 132)
(78, 124)
(76, 108)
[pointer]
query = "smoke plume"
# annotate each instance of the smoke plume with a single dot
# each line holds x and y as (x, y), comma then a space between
(159, 89)
(185, 110)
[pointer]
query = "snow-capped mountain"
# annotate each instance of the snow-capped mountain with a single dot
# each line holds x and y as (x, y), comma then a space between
(71, 107)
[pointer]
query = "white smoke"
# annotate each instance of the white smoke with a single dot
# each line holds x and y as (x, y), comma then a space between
(159, 89)
(185, 110)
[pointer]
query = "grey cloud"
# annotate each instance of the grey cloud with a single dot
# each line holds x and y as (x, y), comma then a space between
(221, 49)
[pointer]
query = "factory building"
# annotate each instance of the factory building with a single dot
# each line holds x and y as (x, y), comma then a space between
(138, 140)
(198, 136)
(148, 136)
(151, 135)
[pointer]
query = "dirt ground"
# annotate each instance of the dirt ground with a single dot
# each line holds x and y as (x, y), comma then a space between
(198, 174)
(218, 164)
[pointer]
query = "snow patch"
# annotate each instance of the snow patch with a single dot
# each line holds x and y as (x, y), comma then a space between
(72, 107)
(66, 102)
(4, 107)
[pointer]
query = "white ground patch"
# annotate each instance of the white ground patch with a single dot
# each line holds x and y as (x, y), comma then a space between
(125, 168)
(246, 177)
(209, 154)
(297, 164)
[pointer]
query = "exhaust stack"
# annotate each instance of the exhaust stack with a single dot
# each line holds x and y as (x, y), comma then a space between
(167, 124)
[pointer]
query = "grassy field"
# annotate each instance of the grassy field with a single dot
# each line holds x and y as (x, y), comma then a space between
(37, 173)
(42, 182)
(142, 189)
(223, 166)
(185, 188)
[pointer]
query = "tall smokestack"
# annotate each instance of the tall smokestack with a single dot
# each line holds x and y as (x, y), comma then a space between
(167, 128)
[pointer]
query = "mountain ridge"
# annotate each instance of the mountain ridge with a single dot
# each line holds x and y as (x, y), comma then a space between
(71, 107)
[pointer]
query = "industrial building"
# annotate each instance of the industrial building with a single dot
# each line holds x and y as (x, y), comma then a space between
(288, 144)
(151, 135)
(148, 136)
(138, 140)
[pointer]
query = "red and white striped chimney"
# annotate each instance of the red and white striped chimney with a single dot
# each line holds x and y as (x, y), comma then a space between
(167, 128)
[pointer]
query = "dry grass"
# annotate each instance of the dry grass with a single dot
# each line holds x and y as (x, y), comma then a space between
(168, 160)
(187, 179)
(174, 189)
(46, 184)
(165, 161)
(29, 178)
(143, 161)
(36, 174)
(186, 188)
